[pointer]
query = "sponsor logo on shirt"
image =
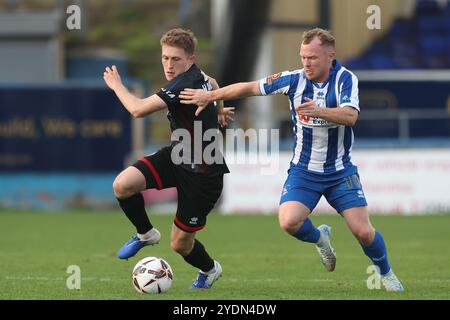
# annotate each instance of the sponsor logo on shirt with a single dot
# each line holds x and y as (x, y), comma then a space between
(167, 92)
(273, 77)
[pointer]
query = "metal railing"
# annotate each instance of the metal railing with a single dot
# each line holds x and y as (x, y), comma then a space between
(404, 118)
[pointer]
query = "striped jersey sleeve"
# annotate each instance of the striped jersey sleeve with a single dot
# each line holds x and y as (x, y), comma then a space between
(277, 83)
(348, 90)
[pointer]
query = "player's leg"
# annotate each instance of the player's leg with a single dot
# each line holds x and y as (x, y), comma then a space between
(149, 172)
(297, 201)
(293, 218)
(347, 197)
(373, 245)
(357, 220)
(197, 196)
(194, 253)
(127, 188)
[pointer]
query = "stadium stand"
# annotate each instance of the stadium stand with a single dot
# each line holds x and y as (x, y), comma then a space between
(419, 42)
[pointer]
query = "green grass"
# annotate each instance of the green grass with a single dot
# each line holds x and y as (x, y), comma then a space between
(259, 260)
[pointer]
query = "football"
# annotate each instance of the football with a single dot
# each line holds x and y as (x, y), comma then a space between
(152, 275)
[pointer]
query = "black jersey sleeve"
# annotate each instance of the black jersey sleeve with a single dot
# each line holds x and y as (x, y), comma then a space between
(170, 97)
(172, 90)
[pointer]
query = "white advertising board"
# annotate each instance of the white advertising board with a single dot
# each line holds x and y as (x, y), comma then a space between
(405, 181)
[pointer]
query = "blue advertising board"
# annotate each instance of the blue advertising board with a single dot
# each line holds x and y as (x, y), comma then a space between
(62, 129)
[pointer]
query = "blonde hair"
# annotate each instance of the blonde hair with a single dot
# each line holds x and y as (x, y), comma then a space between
(325, 37)
(180, 38)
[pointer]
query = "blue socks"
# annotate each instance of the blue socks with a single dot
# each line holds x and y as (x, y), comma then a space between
(308, 232)
(376, 251)
(378, 254)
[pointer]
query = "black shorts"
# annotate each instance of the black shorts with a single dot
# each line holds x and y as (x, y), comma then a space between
(197, 193)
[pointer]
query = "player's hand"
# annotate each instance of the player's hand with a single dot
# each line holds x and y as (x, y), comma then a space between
(308, 109)
(112, 77)
(225, 116)
(199, 97)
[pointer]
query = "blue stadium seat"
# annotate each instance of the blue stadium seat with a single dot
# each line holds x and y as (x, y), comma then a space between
(447, 47)
(432, 44)
(434, 51)
(446, 22)
(402, 28)
(380, 47)
(437, 61)
(383, 62)
(412, 43)
(427, 7)
(447, 9)
(406, 54)
(357, 64)
(434, 24)
(404, 48)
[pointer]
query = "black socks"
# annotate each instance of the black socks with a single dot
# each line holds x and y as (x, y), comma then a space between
(199, 258)
(134, 208)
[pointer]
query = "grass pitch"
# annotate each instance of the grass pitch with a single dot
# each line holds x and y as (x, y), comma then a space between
(259, 260)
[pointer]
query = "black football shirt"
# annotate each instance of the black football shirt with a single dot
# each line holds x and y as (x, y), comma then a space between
(182, 116)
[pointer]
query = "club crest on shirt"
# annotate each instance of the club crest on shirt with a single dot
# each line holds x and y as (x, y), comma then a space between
(273, 77)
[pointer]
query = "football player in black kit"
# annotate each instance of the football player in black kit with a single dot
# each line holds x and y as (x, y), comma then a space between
(199, 183)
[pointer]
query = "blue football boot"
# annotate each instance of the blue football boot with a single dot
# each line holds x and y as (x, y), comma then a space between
(205, 280)
(135, 244)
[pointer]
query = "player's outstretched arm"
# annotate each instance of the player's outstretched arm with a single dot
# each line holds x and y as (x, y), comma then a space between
(136, 107)
(202, 98)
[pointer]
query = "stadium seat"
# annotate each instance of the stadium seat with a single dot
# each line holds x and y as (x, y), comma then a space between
(434, 51)
(432, 44)
(380, 47)
(383, 62)
(401, 28)
(438, 61)
(357, 63)
(404, 48)
(447, 47)
(446, 23)
(427, 7)
(431, 24)
(412, 43)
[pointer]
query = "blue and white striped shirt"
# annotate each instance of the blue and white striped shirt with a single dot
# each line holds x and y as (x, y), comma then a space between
(320, 146)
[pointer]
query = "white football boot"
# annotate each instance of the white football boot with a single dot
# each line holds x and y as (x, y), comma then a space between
(391, 282)
(326, 251)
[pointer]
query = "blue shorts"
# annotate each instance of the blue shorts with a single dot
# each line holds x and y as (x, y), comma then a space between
(342, 189)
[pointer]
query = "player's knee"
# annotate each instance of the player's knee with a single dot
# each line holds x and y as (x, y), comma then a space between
(291, 217)
(122, 189)
(365, 235)
(181, 247)
(289, 224)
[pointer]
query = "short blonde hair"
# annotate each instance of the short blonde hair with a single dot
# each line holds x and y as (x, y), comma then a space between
(180, 38)
(325, 37)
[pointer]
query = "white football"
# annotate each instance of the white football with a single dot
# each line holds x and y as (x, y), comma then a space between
(152, 275)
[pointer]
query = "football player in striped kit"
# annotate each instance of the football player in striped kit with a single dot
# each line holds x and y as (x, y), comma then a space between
(324, 105)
